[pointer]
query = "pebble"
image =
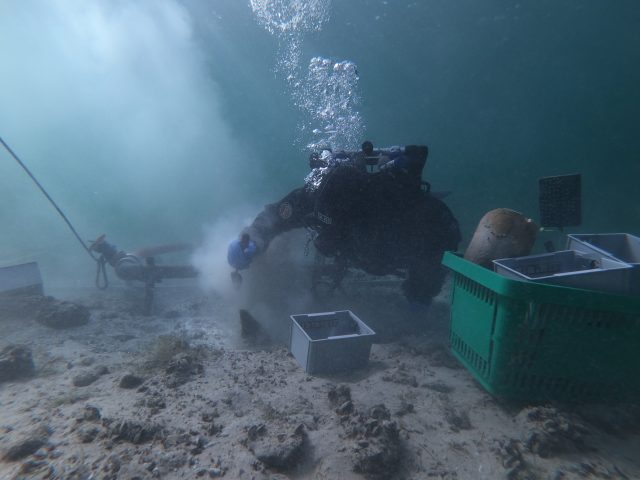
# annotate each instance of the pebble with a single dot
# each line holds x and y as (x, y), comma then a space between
(91, 413)
(88, 434)
(30, 466)
(63, 314)
(15, 362)
(85, 379)
(346, 408)
(130, 381)
(24, 448)
(40, 454)
(53, 454)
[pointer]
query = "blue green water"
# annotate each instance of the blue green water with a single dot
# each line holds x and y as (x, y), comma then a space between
(150, 120)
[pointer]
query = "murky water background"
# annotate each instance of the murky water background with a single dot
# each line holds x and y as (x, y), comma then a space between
(162, 122)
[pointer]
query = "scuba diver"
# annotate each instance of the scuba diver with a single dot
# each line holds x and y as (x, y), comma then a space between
(369, 209)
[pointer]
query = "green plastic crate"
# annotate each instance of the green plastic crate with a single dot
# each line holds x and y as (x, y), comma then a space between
(528, 341)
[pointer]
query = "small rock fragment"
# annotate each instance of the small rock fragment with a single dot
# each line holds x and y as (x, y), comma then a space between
(133, 431)
(215, 472)
(339, 395)
(88, 433)
(457, 420)
(34, 467)
(378, 456)
(181, 368)
(130, 381)
(88, 377)
(401, 377)
(24, 447)
(440, 387)
(15, 362)
(278, 449)
(91, 413)
(85, 379)
(405, 408)
(379, 412)
(62, 314)
(346, 408)
(552, 432)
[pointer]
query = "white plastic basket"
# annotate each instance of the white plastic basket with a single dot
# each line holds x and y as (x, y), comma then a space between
(330, 341)
(569, 268)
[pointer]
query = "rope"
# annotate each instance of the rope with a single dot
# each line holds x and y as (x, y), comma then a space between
(64, 217)
(102, 285)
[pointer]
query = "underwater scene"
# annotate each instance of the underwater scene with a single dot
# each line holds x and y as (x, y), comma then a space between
(319, 239)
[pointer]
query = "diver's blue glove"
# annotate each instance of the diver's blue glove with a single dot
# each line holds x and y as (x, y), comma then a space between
(238, 257)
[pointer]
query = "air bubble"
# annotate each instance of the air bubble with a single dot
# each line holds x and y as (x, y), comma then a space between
(328, 92)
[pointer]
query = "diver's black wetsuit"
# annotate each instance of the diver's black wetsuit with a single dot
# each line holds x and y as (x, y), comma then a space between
(379, 222)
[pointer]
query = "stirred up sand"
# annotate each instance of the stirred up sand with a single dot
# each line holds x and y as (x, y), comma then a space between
(183, 394)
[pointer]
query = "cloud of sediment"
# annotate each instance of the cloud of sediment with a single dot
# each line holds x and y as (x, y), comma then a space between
(112, 106)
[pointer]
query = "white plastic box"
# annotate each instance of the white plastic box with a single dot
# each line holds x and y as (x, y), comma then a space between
(617, 246)
(23, 279)
(590, 271)
(330, 342)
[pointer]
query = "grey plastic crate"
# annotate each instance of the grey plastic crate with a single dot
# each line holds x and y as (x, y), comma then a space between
(23, 279)
(330, 341)
(590, 271)
(617, 246)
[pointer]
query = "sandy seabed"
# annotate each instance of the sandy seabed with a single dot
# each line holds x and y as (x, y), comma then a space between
(182, 393)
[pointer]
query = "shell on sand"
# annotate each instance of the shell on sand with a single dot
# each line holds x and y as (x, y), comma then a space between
(501, 233)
